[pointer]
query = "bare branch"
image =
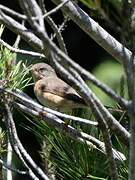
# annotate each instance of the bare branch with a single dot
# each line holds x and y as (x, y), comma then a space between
(17, 142)
(20, 51)
(55, 9)
(69, 130)
(16, 149)
(12, 12)
(31, 9)
(18, 28)
(89, 26)
(27, 101)
(95, 31)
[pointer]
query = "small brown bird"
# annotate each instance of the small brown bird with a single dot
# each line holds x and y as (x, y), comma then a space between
(53, 92)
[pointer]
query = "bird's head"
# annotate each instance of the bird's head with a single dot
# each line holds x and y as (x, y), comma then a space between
(42, 70)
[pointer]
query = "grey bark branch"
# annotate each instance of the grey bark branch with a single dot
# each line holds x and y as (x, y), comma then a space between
(95, 31)
(18, 28)
(110, 44)
(69, 130)
(17, 142)
(21, 51)
(15, 147)
(26, 100)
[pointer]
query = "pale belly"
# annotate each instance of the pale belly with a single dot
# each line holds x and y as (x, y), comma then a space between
(56, 102)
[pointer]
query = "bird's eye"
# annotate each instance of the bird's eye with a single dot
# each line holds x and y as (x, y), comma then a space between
(42, 69)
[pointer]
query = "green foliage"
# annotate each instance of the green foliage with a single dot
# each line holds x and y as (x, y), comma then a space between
(74, 160)
(12, 74)
(110, 12)
(90, 3)
(99, 4)
(70, 159)
(2, 142)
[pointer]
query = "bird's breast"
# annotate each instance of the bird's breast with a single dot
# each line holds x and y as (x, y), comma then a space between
(53, 101)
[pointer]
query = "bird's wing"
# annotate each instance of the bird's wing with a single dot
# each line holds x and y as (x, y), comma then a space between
(57, 86)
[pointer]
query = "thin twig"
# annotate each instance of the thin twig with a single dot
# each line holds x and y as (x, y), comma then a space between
(32, 9)
(24, 17)
(55, 9)
(61, 27)
(16, 149)
(20, 51)
(55, 29)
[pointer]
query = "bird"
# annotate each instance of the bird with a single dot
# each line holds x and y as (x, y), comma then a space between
(51, 91)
